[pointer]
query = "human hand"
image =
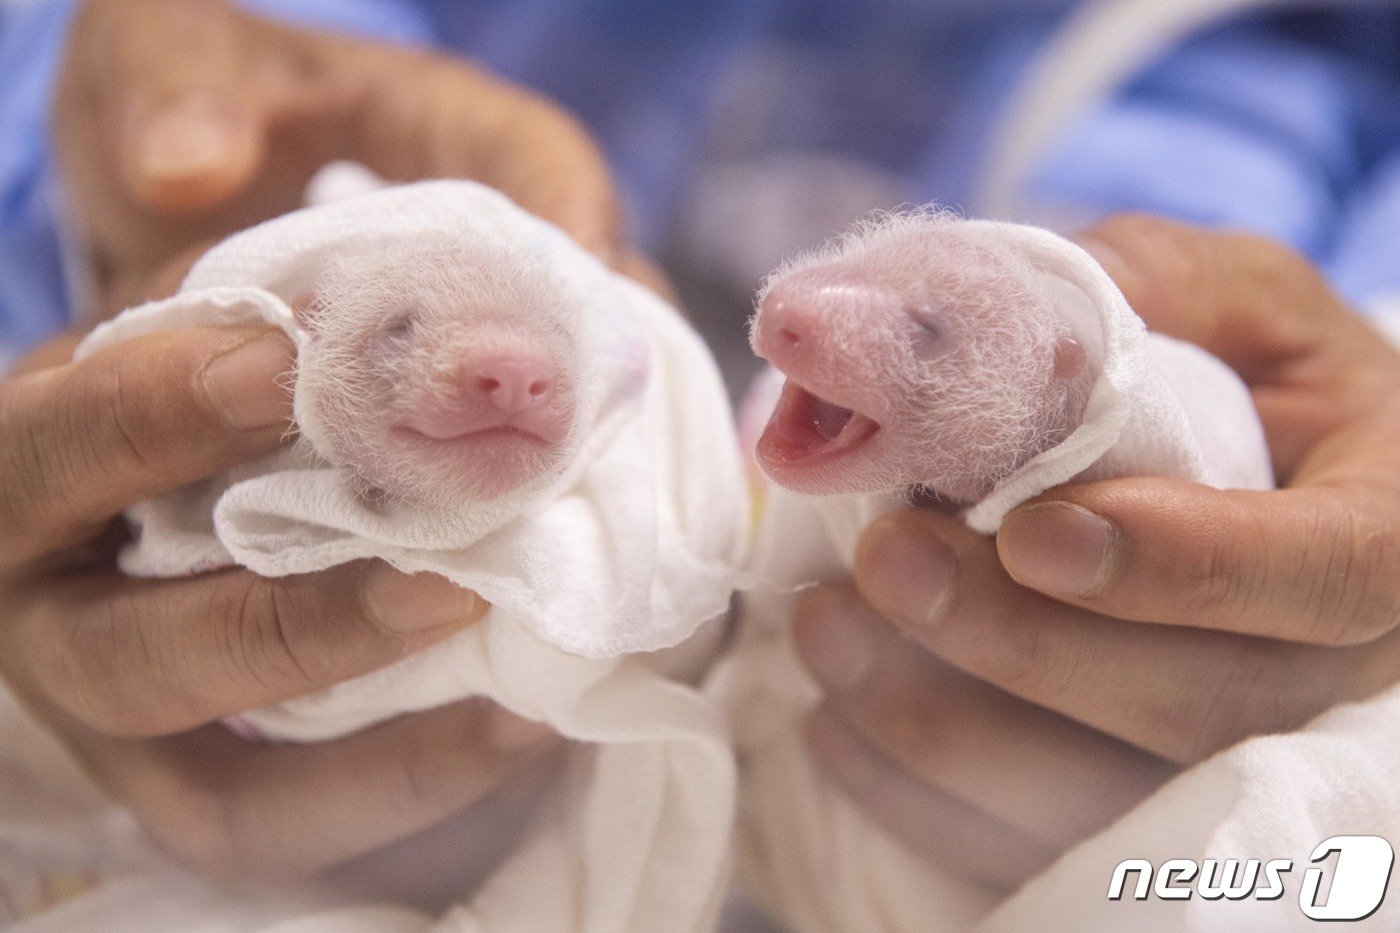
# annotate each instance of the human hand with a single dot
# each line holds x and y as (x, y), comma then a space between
(1029, 689)
(131, 674)
(179, 122)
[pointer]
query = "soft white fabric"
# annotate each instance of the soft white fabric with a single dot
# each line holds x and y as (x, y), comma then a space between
(1274, 797)
(633, 549)
(1158, 407)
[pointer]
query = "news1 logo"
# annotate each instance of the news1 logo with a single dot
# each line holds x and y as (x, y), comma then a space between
(1359, 879)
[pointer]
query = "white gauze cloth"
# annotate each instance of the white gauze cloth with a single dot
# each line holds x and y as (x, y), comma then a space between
(1158, 407)
(632, 549)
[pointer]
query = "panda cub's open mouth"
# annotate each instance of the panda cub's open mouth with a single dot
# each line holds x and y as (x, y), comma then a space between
(806, 429)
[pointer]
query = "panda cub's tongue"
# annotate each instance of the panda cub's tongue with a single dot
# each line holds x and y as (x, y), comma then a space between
(806, 427)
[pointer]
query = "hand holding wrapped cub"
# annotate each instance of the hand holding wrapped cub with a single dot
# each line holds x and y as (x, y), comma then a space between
(480, 398)
(961, 364)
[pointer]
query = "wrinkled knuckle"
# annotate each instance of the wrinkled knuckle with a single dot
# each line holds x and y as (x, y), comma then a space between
(1206, 718)
(31, 473)
(1023, 658)
(248, 619)
(143, 400)
(107, 688)
(81, 664)
(1182, 724)
(1221, 581)
(262, 640)
(117, 663)
(130, 425)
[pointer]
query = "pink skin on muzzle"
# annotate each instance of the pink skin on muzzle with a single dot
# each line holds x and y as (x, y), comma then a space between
(438, 378)
(913, 363)
(505, 392)
(815, 421)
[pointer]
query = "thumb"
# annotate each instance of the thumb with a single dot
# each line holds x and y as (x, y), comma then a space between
(181, 102)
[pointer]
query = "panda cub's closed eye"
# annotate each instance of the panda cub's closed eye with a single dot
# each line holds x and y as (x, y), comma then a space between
(928, 320)
(399, 325)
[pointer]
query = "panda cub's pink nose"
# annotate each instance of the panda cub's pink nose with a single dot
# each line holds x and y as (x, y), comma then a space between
(510, 384)
(519, 388)
(786, 324)
(799, 317)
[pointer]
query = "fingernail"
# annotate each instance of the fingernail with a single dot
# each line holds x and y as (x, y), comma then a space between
(246, 383)
(414, 603)
(1058, 548)
(508, 732)
(190, 137)
(906, 573)
(834, 644)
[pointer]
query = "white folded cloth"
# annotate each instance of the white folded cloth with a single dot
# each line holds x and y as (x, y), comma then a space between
(1159, 407)
(633, 549)
(1272, 797)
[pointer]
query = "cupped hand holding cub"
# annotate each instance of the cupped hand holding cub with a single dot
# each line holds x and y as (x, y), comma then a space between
(177, 124)
(1004, 698)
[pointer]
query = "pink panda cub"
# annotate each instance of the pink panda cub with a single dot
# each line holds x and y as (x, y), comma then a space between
(919, 354)
(444, 374)
(440, 372)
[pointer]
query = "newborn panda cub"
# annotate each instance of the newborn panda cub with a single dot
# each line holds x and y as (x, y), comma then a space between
(438, 372)
(919, 356)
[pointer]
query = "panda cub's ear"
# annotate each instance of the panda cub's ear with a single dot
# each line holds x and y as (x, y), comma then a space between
(1069, 358)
